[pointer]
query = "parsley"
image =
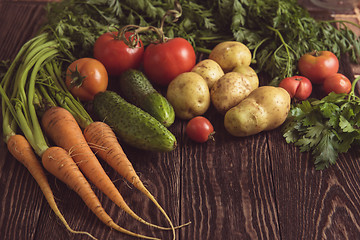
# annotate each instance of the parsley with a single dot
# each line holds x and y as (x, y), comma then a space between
(278, 32)
(325, 127)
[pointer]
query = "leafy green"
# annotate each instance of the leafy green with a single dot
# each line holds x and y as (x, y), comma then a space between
(277, 31)
(325, 127)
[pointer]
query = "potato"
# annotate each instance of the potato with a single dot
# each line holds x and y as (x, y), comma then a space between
(189, 95)
(230, 54)
(266, 108)
(209, 70)
(230, 89)
(250, 74)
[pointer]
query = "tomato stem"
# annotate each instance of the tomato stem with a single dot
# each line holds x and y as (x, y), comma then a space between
(134, 39)
(76, 78)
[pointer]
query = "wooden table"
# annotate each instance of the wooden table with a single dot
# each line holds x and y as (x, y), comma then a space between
(257, 187)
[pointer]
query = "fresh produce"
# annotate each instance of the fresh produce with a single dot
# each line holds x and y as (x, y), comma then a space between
(200, 129)
(209, 70)
(189, 95)
(64, 131)
(231, 89)
(35, 86)
(249, 73)
(230, 54)
(133, 125)
(22, 151)
(276, 40)
(164, 61)
(298, 87)
(14, 90)
(59, 163)
(137, 89)
(337, 83)
(266, 108)
(318, 65)
(100, 134)
(325, 127)
(86, 77)
(119, 51)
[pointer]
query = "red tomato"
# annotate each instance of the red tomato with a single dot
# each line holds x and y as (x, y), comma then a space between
(298, 87)
(200, 129)
(164, 61)
(337, 83)
(116, 55)
(316, 66)
(85, 78)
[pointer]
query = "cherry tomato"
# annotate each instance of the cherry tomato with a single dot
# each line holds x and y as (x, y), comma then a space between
(85, 78)
(316, 66)
(164, 61)
(337, 83)
(116, 55)
(200, 129)
(298, 87)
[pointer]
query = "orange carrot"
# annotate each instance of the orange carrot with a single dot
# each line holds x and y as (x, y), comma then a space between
(103, 141)
(21, 150)
(59, 163)
(62, 128)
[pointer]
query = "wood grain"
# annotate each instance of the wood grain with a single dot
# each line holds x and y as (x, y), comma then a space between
(256, 187)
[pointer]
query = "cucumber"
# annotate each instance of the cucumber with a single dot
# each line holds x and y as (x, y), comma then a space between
(132, 125)
(137, 89)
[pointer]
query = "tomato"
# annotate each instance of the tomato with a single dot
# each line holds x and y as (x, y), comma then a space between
(164, 61)
(116, 55)
(337, 83)
(316, 66)
(85, 78)
(298, 87)
(200, 129)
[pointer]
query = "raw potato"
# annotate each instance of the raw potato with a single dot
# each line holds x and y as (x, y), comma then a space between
(266, 108)
(250, 74)
(231, 89)
(189, 95)
(230, 54)
(209, 70)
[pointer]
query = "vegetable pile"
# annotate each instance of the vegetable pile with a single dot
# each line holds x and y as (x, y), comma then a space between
(86, 46)
(325, 127)
(278, 32)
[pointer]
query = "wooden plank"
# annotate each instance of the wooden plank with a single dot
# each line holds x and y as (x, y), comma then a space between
(20, 197)
(315, 204)
(257, 187)
(227, 188)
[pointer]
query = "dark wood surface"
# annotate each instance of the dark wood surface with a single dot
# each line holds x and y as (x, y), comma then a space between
(257, 187)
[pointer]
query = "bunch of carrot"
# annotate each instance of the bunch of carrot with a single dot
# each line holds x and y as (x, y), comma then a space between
(35, 106)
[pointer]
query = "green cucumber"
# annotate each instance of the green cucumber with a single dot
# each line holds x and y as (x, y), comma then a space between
(137, 89)
(133, 125)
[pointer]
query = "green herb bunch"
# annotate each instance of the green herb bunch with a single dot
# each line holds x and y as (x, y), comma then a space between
(277, 31)
(325, 127)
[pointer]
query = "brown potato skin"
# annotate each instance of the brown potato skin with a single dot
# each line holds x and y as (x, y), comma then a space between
(230, 54)
(266, 108)
(189, 95)
(209, 70)
(231, 89)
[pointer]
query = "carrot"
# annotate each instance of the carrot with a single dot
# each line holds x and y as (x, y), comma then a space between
(103, 141)
(59, 163)
(62, 128)
(21, 150)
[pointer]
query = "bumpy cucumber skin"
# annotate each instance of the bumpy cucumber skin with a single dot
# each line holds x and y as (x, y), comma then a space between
(137, 89)
(133, 125)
